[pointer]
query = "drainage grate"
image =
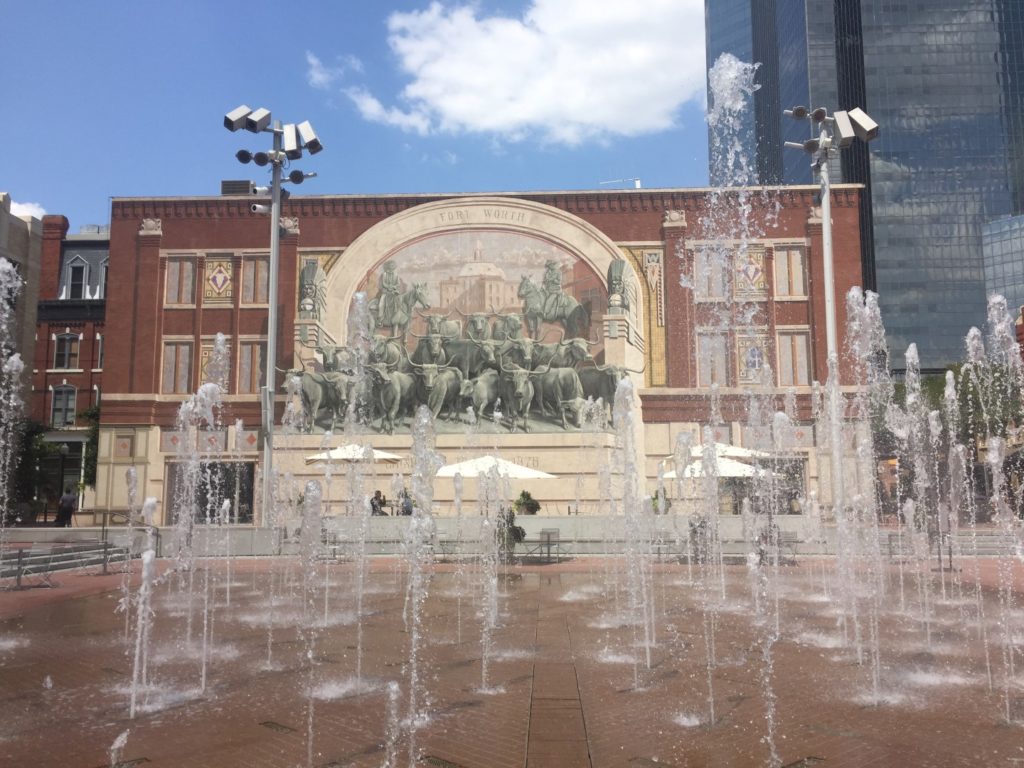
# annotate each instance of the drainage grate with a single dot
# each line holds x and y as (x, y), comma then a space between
(807, 762)
(439, 762)
(277, 727)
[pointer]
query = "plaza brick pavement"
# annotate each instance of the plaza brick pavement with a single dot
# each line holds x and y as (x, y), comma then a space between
(568, 680)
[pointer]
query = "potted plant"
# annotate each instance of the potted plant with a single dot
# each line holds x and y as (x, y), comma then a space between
(509, 534)
(526, 504)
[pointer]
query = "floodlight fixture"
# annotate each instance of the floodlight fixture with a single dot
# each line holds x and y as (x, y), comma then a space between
(297, 176)
(261, 191)
(290, 139)
(865, 128)
(244, 156)
(811, 146)
(261, 158)
(797, 113)
(842, 129)
(257, 120)
(308, 137)
(235, 119)
(819, 114)
(259, 208)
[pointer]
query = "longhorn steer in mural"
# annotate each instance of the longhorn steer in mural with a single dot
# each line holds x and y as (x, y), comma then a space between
(395, 394)
(322, 391)
(442, 326)
(557, 388)
(515, 386)
(600, 382)
(552, 307)
(470, 356)
(395, 312)
(508, 326)
(429, 350)
(438, 386)
(390, 352)
(477, 325)
(562, 354)
(482, 392)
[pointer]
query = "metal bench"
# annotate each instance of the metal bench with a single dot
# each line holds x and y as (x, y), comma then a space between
(547, 542)
(788, 541)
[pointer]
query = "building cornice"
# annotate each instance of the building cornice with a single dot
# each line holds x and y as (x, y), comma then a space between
(579, 202)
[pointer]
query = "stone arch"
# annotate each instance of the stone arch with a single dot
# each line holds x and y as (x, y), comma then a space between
(576, 236)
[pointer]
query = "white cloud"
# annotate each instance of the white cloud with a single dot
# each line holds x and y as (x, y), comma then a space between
(324, 77)
(34, 210)
(371, 109)
(567, 71)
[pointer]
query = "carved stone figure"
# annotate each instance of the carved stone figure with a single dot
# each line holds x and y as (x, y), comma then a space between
(618, 295)
(312, 292)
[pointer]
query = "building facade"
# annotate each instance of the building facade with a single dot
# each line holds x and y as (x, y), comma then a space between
(67, 368)
(945, 81)
(1002, 243)
(623, 278)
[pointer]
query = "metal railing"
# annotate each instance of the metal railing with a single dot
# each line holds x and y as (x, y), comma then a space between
(136, 523)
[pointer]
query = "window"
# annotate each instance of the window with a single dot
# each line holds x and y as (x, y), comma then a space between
(711, 359)
(709, 274)
(181, 282)
(794, 359)
(790, 275)
(177, 378)
(99, 351)
(66, 351)
(103, 281)
(255, 272)
(76, 281)
(63, 413)
(251, 362)
(229, 481)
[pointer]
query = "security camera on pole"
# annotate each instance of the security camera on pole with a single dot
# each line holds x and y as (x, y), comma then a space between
(834, 133)
(289, 141)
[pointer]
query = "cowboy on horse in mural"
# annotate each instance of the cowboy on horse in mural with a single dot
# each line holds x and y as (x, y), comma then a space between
(393, 309)
(387, 297)
(551, 304)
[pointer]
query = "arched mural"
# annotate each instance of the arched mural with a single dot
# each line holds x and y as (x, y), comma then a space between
(487, 311)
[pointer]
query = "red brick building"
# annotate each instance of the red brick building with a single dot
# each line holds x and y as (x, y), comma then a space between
(186, 269)
(67, 368)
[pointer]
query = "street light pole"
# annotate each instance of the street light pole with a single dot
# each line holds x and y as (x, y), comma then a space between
(834, 133)
(289, 142)
(269, 387)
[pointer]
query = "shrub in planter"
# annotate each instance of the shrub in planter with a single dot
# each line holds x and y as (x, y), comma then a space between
(526, 504)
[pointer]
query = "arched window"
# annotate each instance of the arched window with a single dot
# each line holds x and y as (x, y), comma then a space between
(63, 409)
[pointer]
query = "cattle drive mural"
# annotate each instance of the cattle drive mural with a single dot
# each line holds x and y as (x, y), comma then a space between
(515, 347)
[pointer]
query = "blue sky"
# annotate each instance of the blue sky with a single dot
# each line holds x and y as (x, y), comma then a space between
(126, 98)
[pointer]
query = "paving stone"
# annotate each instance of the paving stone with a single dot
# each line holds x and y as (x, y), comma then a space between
(575, 687)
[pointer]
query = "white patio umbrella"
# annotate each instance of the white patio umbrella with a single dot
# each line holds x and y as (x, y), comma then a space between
(726, 468)
(352, 453)
(484, 464)
(730, 452)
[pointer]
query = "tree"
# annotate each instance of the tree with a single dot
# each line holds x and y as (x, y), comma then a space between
(91, 416)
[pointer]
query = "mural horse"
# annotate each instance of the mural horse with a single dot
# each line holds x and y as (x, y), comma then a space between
(401, 312)
(566, 310)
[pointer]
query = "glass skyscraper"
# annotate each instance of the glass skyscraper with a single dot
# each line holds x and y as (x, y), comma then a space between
(945, 81)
